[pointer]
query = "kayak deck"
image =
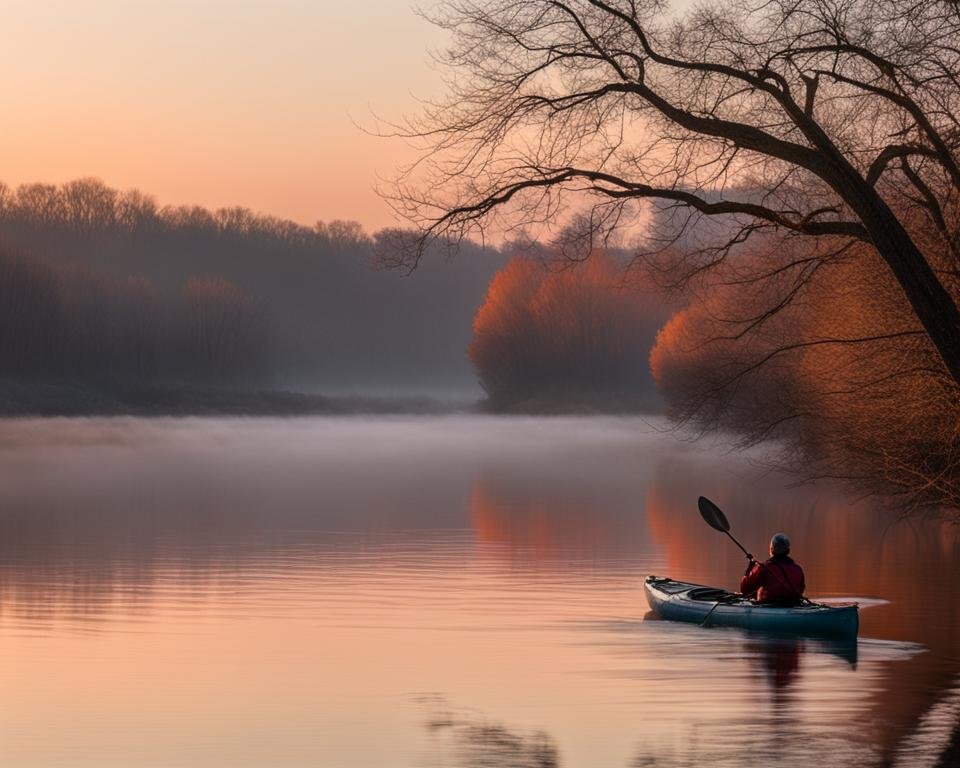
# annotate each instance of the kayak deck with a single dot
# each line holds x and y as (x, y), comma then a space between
(683, 601)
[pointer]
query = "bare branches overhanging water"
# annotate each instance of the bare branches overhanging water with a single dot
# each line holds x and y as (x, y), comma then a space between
(795, 150)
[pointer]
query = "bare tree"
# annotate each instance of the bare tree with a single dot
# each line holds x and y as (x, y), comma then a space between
(89, 205)
(826, 119)
(43, 202)
(222, 338)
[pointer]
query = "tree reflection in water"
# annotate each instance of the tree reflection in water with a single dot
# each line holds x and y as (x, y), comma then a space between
(472, 742)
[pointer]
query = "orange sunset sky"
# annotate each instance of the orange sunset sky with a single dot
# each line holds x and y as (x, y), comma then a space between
(214, 102)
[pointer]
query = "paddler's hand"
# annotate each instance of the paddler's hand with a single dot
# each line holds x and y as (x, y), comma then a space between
(750, 563)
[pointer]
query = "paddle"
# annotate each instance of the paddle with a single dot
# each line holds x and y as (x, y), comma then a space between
(714, 517)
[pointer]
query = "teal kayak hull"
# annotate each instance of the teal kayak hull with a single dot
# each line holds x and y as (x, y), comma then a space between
(682, 601)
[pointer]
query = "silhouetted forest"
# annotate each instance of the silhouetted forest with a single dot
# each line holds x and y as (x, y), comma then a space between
(571, 338)
(70, 323)
(106, 289)
(134, 291)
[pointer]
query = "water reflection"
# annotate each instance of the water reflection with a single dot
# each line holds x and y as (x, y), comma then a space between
(301, 578)
(779, 661)
(470, 741)
(541, 516)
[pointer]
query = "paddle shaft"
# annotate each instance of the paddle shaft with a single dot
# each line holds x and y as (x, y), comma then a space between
(738, 544)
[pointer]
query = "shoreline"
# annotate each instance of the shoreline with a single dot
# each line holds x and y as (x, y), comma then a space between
(33, 400)
(20, 399)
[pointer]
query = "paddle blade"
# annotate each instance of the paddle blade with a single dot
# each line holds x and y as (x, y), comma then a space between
(711, 513)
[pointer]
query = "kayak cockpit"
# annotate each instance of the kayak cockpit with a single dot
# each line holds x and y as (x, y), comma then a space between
(711, 594)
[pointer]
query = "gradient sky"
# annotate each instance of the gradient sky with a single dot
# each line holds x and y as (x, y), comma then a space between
(213, 102)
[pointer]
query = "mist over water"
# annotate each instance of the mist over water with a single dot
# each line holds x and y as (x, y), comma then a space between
(456, 590)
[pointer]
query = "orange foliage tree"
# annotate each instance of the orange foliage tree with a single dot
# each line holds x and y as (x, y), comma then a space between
(563, 338)
(842, 377)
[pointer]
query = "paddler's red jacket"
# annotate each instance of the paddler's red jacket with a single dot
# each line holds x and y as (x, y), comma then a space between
(778, 580)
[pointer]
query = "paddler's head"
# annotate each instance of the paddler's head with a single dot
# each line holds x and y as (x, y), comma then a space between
(779, 544)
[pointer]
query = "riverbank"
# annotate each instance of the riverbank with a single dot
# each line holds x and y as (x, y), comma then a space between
(31, 399)
(600, 404)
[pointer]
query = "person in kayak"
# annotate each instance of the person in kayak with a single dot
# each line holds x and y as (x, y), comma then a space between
(779, 580)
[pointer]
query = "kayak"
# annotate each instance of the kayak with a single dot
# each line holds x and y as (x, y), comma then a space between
(681, 601)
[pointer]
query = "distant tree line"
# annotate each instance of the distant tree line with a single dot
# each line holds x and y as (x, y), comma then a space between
(70, 323)
(89, 208)
(128, 291)
(330, 319)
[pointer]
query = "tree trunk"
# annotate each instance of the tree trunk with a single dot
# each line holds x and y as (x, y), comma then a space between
(930, 300)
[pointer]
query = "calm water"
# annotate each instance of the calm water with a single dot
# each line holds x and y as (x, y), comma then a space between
(457, 591)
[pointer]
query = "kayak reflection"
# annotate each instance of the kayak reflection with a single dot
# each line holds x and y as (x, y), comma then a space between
(779, 658)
